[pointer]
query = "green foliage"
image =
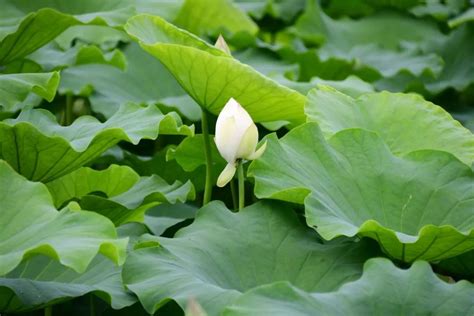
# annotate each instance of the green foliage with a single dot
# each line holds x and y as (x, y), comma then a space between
(214, 17)
(33, 226)
(108, 199)
(112, 181)
(414, 205)
(38, 28)
(128, 196)
(211, 77)
(143, 81)
(405, 122)
(369, 295)
(15, 88)
(261, 244)
(41, 280)
(40, 149)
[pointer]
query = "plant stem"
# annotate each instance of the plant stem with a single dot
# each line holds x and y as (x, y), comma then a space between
(92, 306)
(68, 117)
(241, 179)
(207, 153)
(48, 311)
(233, 191)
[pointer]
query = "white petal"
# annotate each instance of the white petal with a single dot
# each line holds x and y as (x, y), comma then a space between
(229, 109)
(225, 139)
(248, 143)
(242, 118)
(226, 175)
(257, 154)
(231, 126)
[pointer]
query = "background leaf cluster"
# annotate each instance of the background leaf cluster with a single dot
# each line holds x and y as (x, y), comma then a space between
(367, 180)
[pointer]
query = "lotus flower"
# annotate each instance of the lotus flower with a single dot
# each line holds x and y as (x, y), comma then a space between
(236, 139)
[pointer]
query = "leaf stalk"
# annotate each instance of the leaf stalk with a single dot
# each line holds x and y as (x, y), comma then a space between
(241, 180)
(208, 155)
(68, 111)
(48, 311)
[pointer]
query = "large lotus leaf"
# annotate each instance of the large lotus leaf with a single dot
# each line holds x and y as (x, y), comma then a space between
(127, 196)
(41, 150)
(223, 254)
(131, 205)
(418, 206)
(399, 39)
(32, 33)
(383, 289)
(112, 181)
(41, 280)
(211, 77)
(154, 188)
(405, 122)
(211, 17)
(15, 88)
(202, 17)
(24, 30)
(31, 225)
(144, 81)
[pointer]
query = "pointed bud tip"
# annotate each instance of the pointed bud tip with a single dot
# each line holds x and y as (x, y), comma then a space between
(222, 45)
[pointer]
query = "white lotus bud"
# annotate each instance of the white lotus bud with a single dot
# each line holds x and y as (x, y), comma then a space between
(236, 138)
(222, 45)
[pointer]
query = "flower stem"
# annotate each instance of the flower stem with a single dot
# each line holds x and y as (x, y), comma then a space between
(241, 180)
(233, 191)
(208, 155)
(92, 305)
(68, 116)
(48, 311)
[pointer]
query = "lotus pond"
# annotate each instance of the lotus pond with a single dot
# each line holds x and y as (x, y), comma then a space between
(246, 157)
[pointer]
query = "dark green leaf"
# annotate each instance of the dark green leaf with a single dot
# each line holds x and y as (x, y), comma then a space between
(222, 254)
(418, 206)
